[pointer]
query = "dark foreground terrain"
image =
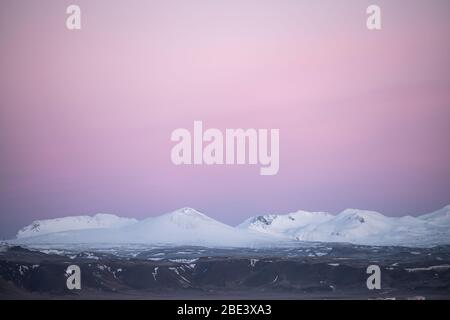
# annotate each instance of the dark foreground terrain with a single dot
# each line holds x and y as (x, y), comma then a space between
(315, 271)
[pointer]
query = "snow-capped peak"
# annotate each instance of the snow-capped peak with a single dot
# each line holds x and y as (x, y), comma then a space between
(98, 221)
(291, 219)
(185, 218)
(350, 225)
(187, 212)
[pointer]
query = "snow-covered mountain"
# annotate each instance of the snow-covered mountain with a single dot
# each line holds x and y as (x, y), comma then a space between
(185, 226)
(357, 226)
(98, 221)
(285, 224)
(351, 225)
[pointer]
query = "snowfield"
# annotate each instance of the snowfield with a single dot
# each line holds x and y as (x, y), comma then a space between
(187, 226)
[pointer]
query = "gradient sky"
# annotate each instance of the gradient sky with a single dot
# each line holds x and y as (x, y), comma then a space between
(86, 116)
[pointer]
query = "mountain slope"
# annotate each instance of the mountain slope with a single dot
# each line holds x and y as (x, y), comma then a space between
(351, 225)
(441, 216)
(98, 221)
(287, 224)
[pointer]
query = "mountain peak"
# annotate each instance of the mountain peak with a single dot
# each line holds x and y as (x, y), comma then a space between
(187, 212)
(187, 217)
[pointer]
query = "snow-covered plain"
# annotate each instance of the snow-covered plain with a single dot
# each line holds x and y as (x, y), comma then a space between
(187, 226)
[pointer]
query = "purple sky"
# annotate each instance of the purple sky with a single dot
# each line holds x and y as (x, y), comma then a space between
(86, 116)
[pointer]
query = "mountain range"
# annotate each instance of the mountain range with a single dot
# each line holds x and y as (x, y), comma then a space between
(187, 226)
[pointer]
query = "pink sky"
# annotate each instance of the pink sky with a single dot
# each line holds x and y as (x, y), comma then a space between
(86, 116)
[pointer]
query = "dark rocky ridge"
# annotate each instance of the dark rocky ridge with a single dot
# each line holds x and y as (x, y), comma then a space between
(322, 272)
